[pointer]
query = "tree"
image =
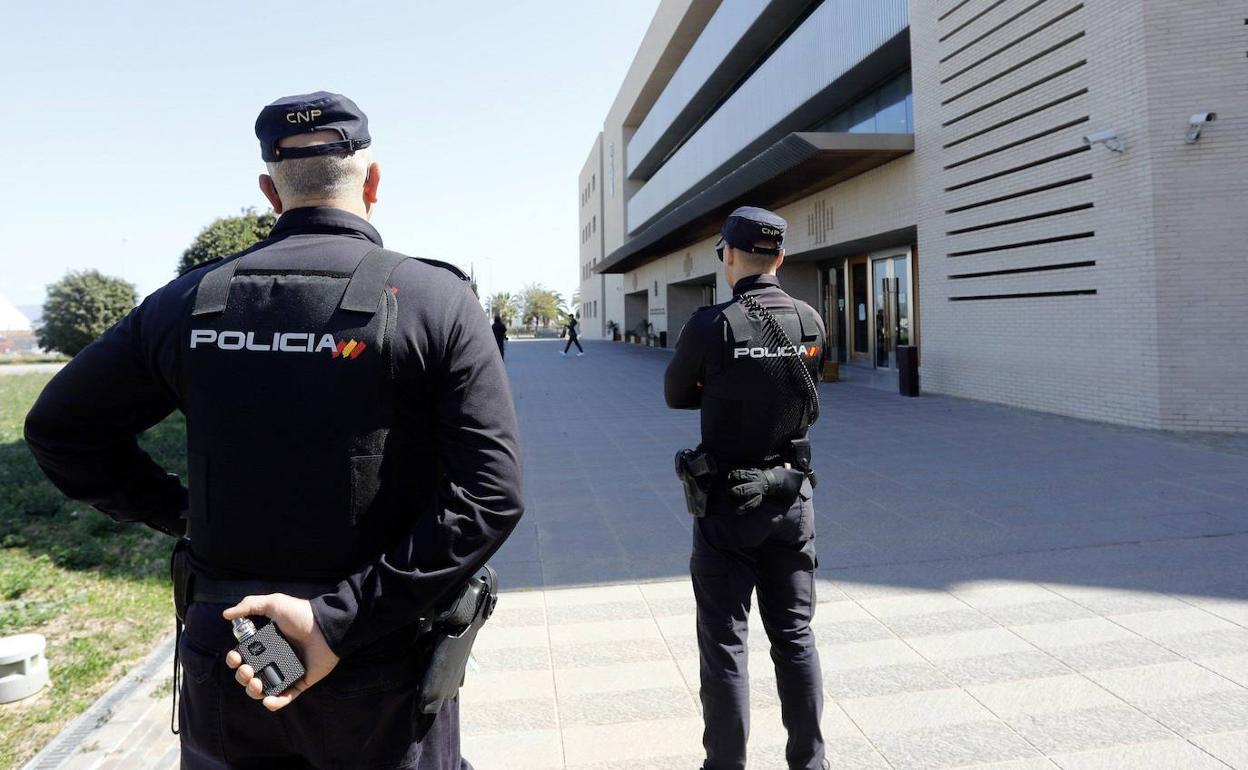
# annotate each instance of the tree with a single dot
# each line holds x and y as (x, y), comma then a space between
(226, 236)
(503, 305)
(540, 305)
(82, 306)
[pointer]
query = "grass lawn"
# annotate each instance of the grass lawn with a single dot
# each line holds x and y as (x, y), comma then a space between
(33, 358)
(98, 590)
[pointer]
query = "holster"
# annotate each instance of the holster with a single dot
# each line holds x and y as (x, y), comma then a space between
(799, 449)
(695, 468)
(449, 643)
(182, 576)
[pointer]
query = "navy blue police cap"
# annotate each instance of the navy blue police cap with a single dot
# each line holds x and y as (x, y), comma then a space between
(304, 113)
(755, 230)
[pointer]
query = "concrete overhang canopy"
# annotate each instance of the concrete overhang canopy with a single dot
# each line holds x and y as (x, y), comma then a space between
(792, 168)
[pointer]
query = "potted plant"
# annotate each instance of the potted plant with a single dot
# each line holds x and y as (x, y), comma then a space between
(614, 328)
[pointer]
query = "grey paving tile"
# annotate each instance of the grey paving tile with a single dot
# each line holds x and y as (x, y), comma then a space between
(948, 622)
(508, 716)
(512, 659)
(1209, 644)
(520, 576)
(1160, 755)
(625, 706)
(1231, 748)
(1109, 655)
(1051, 611)
(852, 631)
(586, 613)
(884, 680)
(673, 606)
(1215, 712)
(607, 568)
(1006, 667)
(1087, 729)
(581, 655)
(682, 762)
(954, 746)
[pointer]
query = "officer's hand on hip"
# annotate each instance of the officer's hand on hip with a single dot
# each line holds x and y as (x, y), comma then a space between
(295, 620)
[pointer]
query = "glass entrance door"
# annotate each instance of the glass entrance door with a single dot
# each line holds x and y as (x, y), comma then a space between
(859, 315)
(891, 299)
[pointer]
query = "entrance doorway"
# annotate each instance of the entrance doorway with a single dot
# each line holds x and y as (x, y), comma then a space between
(892, 307)
(859, 314)
(834, 312)
(869, 306)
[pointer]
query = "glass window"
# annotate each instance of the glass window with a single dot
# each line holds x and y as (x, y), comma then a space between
(888, 109)
(890, 117)
(862, 116)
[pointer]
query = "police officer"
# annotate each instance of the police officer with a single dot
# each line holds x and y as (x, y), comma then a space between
(352, 451)
(750, 365)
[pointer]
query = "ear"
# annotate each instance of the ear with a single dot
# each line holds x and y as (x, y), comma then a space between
(372, 180)
(779, 260)
(270, 191)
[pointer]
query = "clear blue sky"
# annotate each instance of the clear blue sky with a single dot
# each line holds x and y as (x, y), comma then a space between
(129, 125)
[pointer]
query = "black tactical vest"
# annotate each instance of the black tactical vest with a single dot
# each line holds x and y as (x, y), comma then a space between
(289, 401)
(754, 401)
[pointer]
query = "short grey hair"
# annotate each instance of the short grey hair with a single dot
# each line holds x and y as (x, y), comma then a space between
(320, 177)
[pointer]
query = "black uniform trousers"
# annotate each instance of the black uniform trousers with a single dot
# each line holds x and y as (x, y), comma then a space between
(771, 551)
(362, 715)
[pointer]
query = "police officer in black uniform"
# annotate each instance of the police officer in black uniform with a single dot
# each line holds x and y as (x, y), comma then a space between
(352, 451)
(750, 365)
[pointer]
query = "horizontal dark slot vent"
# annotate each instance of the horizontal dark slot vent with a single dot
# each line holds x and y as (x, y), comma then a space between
(1019, 270)
(952, 10)
(1016, 169)
(994, 54)
(1018, 92)
(1014, 68)
(1019, 220)
(1021, 193)
(992, 31)
(1018, 117)
(1018, 142)
(1023, 244)
(1026, 295)
(973, 19)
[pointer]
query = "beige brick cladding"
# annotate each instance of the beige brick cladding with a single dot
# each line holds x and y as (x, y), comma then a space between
(1197, 60)
(1069, 278)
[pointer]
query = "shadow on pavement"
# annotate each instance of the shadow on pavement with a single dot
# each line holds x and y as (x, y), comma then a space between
(924, 493)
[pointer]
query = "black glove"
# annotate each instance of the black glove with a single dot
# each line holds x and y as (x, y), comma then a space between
(751, 485)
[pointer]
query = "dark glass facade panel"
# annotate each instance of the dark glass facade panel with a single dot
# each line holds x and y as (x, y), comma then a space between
(888, 109)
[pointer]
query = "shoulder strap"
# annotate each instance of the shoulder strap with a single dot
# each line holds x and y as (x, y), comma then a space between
(214, 288)
(808, 319)
(363, 294)
(739, 322)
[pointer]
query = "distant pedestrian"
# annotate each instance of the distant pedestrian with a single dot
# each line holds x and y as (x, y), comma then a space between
(573, 330)
(500, 334)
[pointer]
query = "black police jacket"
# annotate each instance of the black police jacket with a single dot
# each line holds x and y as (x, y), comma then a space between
(369, 445)
(753, 401)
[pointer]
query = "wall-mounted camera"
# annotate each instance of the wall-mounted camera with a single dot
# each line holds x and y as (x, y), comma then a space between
(1108, 138)
(1197, 124)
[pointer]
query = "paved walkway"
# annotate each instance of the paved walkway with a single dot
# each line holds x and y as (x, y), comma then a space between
(998, 588)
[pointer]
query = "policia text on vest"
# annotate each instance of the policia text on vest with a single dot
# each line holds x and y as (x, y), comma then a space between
(352, 453)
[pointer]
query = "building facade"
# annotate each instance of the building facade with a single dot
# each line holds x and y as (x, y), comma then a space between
(1047, 198)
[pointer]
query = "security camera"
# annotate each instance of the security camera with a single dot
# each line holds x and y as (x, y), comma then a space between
(1198, 122)
(1108, 138)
